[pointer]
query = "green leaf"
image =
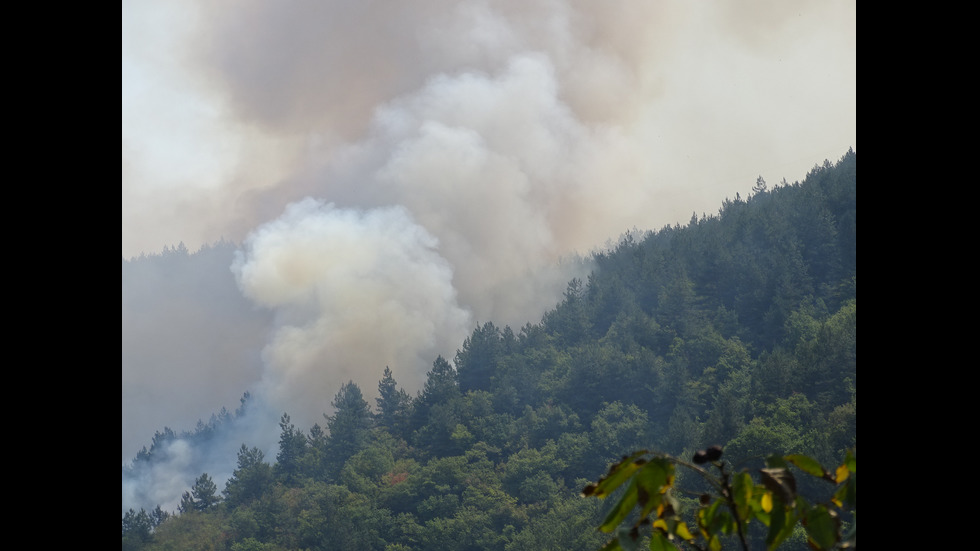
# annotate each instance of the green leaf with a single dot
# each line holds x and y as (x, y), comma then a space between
(807, 465)
(777, 521)
(846, 494)
(742, 488)
(706, 518)
(715, 519)
(660, 542)
(650, 481)
(621, 509)
(618, 474)
(822, 527)
(782, 520)
(760, 501)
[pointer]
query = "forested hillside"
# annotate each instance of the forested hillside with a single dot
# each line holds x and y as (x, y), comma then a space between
(738, 329)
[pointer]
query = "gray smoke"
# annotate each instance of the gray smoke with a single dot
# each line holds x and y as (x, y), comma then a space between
(398, 172)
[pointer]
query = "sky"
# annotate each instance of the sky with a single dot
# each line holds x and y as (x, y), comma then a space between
(411, 169)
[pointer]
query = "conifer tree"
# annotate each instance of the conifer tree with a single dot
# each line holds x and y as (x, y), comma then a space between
(201, 497)
(440, 387)
(476, 362)
(292, 446)
(393, 403)
(348, 426)
(249, 479)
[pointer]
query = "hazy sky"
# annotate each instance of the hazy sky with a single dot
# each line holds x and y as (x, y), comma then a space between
(410, 169)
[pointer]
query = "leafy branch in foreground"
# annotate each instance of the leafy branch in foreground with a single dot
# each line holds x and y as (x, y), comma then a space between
(736, 501)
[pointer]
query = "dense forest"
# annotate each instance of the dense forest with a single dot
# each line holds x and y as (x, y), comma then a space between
(737, 329)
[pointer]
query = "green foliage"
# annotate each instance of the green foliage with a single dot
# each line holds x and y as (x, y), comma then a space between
(530, 474)
(646, 506)
(292, 448)
(568, 524)
(478, 358)
(617, 427)
(393, 403)
(569, 322)
(251, 544)
(137, 529)
(249, 480)
(203, 495)
(440, 388)
(348, 426)
(191, 531)
(364, 471)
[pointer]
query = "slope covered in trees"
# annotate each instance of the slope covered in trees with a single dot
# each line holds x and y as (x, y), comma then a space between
(738, 329)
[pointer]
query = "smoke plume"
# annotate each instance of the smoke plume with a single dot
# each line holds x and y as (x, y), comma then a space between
(353, 291)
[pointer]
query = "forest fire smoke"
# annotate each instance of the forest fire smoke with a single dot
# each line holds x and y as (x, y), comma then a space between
(396, 173)
(352, 291)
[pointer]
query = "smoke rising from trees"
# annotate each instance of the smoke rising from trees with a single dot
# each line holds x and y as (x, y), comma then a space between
(398, 172)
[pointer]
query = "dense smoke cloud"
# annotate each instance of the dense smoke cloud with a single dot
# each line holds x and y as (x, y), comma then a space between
(353, 292)
(397, 172)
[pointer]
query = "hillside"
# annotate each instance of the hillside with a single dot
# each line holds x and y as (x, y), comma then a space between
(736, 329)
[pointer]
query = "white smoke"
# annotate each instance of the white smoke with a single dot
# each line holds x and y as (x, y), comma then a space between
(164, 484)
(180, 458)
(353, 291)
(500, 170)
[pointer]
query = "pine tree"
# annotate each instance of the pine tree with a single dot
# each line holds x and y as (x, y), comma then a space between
(440, 388)
(205, 493)
(292, 446)
(393, 403)
(201, 497)
(477, 361)
(348, 426)
(136, 529)
(250, 478)
(158, 515)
